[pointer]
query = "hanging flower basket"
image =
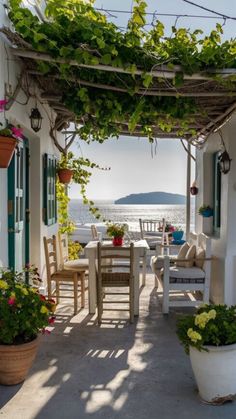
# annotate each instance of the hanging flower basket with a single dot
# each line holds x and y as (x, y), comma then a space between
(7, 147)
(65, 175)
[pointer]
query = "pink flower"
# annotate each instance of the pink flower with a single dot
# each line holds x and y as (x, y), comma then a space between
(11, 301)
(17, 132)
(3, 103)
(51, 320)
(171, 228)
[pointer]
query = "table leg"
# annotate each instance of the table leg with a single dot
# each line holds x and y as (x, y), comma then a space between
(136, 285)
(92, 285)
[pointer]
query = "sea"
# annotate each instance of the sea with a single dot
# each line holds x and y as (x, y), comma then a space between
(130, 214)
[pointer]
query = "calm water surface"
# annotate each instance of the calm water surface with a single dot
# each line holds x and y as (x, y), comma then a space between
(129, 214)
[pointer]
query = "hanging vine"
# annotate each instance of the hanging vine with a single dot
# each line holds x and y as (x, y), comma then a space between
(74, 33)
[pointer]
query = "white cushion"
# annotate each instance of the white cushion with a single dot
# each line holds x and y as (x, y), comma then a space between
(157, 262)
(182, 254)
(77, 264)
(187, 273)
(200, 254)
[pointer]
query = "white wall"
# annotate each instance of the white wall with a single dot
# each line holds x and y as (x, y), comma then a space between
(223, 281)
(39, 144)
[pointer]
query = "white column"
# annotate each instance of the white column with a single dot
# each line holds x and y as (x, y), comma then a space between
(188, 196)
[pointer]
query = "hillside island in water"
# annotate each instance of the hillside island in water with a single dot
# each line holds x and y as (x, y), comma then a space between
(152, 198)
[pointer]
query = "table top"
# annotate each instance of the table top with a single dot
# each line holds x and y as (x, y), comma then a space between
(137, 244)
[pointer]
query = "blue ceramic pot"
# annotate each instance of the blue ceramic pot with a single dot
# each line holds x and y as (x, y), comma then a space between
(207, 213)
(177, 235)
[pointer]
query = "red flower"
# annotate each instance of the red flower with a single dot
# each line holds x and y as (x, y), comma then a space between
(51, 320)
(46, 331)
(3, 103)
(11, 301)
(42, 298)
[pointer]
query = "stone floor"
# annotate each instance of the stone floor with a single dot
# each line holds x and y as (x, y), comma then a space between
(114, 371)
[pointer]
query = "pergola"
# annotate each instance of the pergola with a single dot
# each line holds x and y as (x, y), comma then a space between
(216, 101)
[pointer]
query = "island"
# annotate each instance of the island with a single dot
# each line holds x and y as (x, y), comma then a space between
(152, 198)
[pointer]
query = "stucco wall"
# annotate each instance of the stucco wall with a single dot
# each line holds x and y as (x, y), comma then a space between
(39, 144)
(223, 281)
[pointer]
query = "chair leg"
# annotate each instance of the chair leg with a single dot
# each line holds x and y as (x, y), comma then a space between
(144, 270)
(57, 292)
(82, 284)
(131, 302)
(166, 286)
(75, 280)
(99, 303)
(49, 289)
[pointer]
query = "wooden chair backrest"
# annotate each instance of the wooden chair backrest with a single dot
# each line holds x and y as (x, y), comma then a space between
(94, 232)
(63, 248)
(50, 250)
(151, 226)
(114, 262)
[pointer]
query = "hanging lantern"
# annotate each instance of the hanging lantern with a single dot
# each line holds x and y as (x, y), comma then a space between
(36, 119)
(224, 162)
(194, 189)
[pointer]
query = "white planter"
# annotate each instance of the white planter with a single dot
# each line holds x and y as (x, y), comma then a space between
(215, 372)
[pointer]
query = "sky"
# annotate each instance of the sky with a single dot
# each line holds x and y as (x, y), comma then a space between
(135, 166)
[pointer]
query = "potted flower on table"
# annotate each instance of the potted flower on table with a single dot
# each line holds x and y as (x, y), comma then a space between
(117, 232)
(8, 141)
(209, 337)
(24, 313)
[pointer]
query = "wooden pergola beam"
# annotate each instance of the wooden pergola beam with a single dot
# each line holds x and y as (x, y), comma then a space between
(162, 73)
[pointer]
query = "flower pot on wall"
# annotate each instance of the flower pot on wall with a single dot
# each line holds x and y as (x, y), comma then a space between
(15, 361)
(7, 147)
(215, 372)
(65, 175)
(207, 213)
(117, 241)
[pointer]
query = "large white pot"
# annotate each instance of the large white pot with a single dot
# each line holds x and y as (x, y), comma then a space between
(215, 372)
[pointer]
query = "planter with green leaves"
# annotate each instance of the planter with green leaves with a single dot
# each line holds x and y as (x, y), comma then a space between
(209, 337)
(205, 211)
(24, 313)
(8, 142)
(64, 168)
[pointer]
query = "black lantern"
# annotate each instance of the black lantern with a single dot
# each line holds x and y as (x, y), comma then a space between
(36, 119)
(224, 162)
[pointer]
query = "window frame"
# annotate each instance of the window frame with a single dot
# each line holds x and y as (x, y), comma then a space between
(49, 189)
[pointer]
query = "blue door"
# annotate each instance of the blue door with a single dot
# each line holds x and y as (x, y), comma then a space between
(18, 207)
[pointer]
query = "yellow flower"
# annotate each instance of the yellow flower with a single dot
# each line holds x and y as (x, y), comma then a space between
(212, 314)
(13, 295)
(3, 284)
(34, 290)
(194, 336)
(24, 291)
(44, 310)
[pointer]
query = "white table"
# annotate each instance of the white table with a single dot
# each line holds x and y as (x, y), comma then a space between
(140, 249)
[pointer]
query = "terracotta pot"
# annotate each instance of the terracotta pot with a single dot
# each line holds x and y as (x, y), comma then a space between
(7, 147)
(15, 361)
(194, 190)
(65, 175)
(117, 241)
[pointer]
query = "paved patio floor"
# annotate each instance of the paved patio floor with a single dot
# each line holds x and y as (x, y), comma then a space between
(114, 371)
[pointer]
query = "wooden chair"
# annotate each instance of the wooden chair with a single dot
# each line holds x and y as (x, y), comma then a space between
(188, 279)
(77, 265)
(154, 232)
(63, 276)
(95, 234)
(113, 271)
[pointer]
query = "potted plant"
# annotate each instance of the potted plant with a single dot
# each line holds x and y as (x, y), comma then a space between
(8, 142)
(209, 337)
(205, 211)
(117, 232)
(24, 313)
(65, 168)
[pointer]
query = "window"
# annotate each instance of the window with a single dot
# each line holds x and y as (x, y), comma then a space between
(49, 190)
(216, 194)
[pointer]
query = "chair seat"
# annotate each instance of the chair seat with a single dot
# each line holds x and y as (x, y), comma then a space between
(76, 265)
(68, 275)
(181, 275)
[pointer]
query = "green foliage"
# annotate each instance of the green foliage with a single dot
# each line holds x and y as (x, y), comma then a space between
(212, 325)
(116, 230)
(23, 311)
(75, 31)
(81, 176)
